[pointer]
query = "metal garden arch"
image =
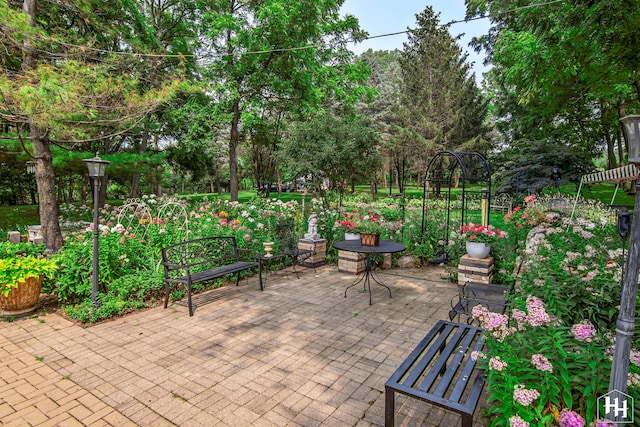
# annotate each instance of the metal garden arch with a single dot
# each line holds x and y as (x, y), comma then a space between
(468, 172)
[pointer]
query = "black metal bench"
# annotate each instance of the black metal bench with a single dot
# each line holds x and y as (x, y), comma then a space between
(493, 297)
(440, 370)
(199, 260)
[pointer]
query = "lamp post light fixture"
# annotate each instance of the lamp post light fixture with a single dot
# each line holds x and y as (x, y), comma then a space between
(96, 167)
(626, 318)
(31, 167)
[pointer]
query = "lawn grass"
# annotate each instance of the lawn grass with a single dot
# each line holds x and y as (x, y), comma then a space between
(20, 217)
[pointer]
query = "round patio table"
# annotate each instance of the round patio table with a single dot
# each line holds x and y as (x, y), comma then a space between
(385, 247)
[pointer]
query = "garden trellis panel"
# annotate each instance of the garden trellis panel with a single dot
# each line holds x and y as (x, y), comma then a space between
(468, 172)
(612, 176)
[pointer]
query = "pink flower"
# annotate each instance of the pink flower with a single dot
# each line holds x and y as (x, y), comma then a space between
(517, 421)
(525, 396)
(537, 314)
(475, 355)
(541, 362)
(497, 364)
(570, 419)
(583, 331)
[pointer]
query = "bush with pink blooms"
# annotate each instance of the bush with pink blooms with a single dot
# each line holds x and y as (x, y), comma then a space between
(549, 357)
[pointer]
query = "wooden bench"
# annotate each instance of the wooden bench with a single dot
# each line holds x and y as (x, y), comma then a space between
(440, 371)
(199, 260)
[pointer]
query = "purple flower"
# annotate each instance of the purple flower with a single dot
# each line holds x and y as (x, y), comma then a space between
(570, 419)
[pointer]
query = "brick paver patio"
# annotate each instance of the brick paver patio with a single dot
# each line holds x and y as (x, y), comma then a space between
(297, 354)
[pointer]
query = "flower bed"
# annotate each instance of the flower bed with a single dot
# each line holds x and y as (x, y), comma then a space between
(551, 359)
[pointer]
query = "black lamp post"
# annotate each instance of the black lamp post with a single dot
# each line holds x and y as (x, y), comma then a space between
(626, 317)
(624, 228)
(96, 167)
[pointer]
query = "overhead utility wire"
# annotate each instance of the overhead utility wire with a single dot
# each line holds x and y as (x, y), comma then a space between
(310, 46)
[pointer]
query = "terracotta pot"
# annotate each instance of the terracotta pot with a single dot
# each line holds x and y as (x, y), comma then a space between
(22, 299)
(478, 250)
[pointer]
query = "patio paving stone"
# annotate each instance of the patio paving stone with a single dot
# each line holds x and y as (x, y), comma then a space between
(298, 353)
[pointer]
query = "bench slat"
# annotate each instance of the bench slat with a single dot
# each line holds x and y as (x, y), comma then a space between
(466, 372)
(203, 259)
(216, 272)
(452, 368)
(440, 363)
(417, 371)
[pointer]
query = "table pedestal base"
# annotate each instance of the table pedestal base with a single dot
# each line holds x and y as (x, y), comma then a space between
(366, 277)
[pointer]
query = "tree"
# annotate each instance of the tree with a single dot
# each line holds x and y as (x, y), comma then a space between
(337, 146)
(63, 85)
(441, 108)
(293, 53)
(383, 109)
(566, 70)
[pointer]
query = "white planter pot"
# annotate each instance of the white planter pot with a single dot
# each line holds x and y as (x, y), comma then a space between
(478, 250)
(351, 236)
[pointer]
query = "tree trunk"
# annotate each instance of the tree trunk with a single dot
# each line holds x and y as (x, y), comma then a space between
(71, 188)
(102, 195)
(611, 155)
(233, 145)
(45, 178)
(83, 191)
(144, 144)
(218, 178)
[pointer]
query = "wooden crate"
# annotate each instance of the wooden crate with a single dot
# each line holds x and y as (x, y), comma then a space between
(351, 262)
(320, 249)
(475, 270)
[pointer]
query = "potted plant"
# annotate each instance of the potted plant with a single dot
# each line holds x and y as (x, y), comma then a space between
(370, 227)
(348, 224)
(21, 280)
(479, 239)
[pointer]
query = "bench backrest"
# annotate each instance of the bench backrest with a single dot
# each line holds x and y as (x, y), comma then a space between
(200, 254)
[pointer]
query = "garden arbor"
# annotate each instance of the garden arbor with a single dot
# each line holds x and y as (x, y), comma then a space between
(466, 174)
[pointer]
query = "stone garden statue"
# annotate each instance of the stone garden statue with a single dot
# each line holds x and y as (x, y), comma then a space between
(312, 231)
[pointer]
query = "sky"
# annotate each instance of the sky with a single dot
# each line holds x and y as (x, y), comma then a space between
(389, 16)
